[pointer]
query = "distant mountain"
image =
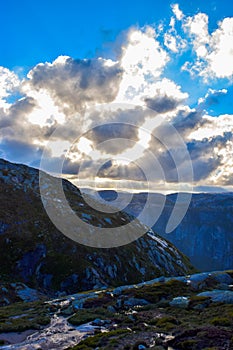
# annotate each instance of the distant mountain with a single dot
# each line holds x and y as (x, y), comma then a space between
(205, 234)
(33, 251)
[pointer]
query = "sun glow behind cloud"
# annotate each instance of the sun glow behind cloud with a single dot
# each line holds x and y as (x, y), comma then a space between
(46, 112)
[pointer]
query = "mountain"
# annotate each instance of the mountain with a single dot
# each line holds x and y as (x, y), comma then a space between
(33, 251)
(205, 234)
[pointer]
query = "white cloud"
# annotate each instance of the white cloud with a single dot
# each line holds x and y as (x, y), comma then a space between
(214, 51)
(224, 173)
(74, 85)
(45, 112)
(198, 27)
(142, 61)
(177, 12)
(174, 42)
(167, 96)
(213, 127)
(220, 57)
(8, 83)
(170, 42)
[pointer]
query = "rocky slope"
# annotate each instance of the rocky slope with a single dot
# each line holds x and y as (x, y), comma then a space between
(205, 234)
(34, 252)
(192, 312)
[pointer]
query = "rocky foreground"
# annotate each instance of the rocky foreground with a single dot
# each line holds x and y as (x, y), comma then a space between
(186, 312)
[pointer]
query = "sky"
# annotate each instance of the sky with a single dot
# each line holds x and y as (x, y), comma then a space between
(129, 95)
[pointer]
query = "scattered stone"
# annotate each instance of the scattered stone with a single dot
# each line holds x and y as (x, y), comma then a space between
(198, 280)
(141, 347)
(223, 286)
(25, 293)
(132, 302)
(111, 308)
(181, 302)
(100, 323)
(222, 277)
(222, 296)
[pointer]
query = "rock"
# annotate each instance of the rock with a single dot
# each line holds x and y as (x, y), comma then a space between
(141, 347)
(222, 277)
(200, 306)
(100, 323)
(111, 308)
(223, 286)
(78, 304)
(131, 317)
(223, 296)
(25, 293)
(181, 302)
(118, 290)
(132, 302)
(198, 280)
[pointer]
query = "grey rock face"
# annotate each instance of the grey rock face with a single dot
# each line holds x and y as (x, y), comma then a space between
(205, 234)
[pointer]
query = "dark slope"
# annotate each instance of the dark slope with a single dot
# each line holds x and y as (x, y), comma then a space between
(33, 251)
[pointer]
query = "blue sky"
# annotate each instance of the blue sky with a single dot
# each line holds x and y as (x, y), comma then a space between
(35, 32)
(38, 31)
(173, 57)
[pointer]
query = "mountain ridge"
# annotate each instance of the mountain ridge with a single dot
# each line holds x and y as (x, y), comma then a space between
(33, 251)
(204, 234)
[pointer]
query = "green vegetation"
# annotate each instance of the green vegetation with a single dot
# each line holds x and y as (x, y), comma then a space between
(86, 315)
(194, 327)
(160, 291)
(166, 322)
(21, 316)
(221, 321)
(102, 340)
(187, 344)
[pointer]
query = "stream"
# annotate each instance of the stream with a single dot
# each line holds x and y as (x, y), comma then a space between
(59, 335)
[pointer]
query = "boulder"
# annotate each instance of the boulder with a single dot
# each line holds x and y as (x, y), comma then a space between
(181, 302)
(132, 302)
(217, 295)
